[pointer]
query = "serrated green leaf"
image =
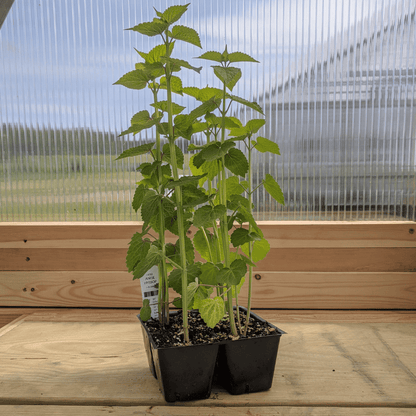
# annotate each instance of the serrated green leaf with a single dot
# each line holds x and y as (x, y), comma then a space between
(202, 217)
(186, 34)
(260, 249)
(150, 205)
(157, 27)
(232, 275)
(265, 145)
(212, 310)
(202, 293)
(211, 56)
(247, 103)
(136, 151)
(175, 278)
(253, 126)
(211, 169)
(138, 197)
(163, 106)
(141, 117)
(167, 156)
(202, 109)
(174, 13)
(273, 188)
(154, 55)
(239, 237)
(175, 84)
(137, 251)
(236, 162)
(196, 171)
(233, 186)
(248, 217)
(208, 274)
(229, 75)
(153, 258)
(185, 180)
(240, 57)
(145, 311)
(193, 196)
(151, 71)
(177, 64)
(201, 245)
(136, 80)
(199, 127)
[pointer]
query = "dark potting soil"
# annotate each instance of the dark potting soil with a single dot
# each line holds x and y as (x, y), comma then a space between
(199, 333)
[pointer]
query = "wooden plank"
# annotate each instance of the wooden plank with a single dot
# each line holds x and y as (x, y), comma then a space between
(378, 259)
(281, 234)
(83, 363)
(6, 319)
(22, 410)
(279, 316)
(282, 290)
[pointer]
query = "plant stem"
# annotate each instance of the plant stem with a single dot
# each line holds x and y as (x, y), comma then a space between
(163, 293)
(224, 219)
(178, 193)
(250, 244)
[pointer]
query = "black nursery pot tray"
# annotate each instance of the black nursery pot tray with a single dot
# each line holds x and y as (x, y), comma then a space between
(247, 365)
(183, 373)
(242, 366)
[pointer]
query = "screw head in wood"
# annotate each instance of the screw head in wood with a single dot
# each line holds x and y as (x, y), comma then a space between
(411, 231)
(257, 276)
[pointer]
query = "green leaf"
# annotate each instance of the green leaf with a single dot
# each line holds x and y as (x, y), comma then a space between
(175, 277)
(265, 145)
(253, 105)
(253, 126)
(138, 197)
(137, 251)
(209, 274)
(167, 156)
(154, 55)
(260, 249)
(141, 117)
(211, 310)
(136, 80)
(150, 205)
(240, 237)
(185, 180)
(152, 71)
(233, 274)
(211, 169)
(202, 109)
(145, 311)
(163, 106)
(201, 246)
(229, 76)
(202, 293)
(233, 186)
(177, 64)
(273, 188)
(193, 196)
(153, 258)
(186, 34)
(174, 13)
(136, 151)
(236, 162)
(211, 56)
(175, 84)
(202, 217)
(190, 291)
(240, 57)
(157, 27)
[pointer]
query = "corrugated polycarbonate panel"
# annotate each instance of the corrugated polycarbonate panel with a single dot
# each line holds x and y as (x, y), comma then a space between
(336, 81)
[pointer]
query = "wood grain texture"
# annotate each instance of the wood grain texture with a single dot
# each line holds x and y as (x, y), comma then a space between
(7, 318)
(279, 316)
(285, 234)
(21, 410)
(90, 363)
(281, 290)
(377, 259)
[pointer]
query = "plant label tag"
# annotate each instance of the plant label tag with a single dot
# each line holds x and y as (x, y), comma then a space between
(149, 284)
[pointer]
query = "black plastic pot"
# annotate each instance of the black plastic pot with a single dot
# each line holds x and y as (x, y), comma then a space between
(186, 373)
(183, 373)
(247, 365)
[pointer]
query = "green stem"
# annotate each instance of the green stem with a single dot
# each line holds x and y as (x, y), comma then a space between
(224, 219)
(163, 293)
(178, 193)
(250, 245)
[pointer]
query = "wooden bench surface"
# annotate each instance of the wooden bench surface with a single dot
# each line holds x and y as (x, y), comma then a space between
(71, 362)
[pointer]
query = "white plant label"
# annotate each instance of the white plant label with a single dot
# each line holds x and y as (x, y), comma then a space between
(150, 290)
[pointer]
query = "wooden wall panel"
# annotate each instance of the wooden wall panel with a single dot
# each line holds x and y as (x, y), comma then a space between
(283, 290)
(322, 265)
